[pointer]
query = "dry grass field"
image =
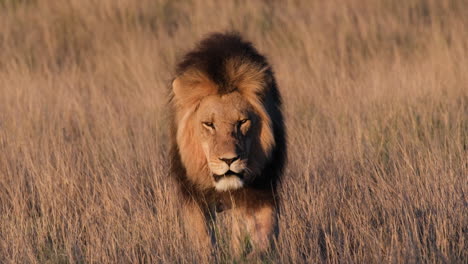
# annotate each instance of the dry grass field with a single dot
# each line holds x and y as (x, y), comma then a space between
(376, 102)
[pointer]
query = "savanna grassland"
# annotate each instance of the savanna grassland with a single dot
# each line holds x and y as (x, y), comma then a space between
(376, 103)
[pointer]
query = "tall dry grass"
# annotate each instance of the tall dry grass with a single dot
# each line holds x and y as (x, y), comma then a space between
(376, 102)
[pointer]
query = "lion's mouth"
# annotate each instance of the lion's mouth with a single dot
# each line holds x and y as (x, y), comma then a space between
(227, 174)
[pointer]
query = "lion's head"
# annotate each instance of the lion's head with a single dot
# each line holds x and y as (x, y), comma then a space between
(224, 130)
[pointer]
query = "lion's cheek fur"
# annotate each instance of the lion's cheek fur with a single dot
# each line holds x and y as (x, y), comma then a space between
(193, 155)
(265, 135)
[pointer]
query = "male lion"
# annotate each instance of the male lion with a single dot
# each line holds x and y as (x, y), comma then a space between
(228, 140)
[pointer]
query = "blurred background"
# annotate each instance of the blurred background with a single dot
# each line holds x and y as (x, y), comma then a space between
(375, 95)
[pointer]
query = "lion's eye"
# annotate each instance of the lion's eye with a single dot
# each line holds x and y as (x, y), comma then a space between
(208, 124)
(243, 121)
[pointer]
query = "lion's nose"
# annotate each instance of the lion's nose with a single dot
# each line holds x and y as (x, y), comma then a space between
(229, 161)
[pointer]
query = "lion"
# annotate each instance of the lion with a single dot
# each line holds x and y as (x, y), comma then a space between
(228, 145)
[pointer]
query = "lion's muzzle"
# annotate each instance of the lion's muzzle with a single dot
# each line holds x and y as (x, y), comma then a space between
(228, 175)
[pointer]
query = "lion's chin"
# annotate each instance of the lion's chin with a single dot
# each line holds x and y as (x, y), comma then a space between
(228, 183)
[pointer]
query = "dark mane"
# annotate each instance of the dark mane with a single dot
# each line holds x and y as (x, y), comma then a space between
(211, 54)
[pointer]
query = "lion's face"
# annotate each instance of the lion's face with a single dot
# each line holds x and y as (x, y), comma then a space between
(225, 125)
(224, 139)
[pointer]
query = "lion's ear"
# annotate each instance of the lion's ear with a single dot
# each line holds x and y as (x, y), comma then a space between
(191, 87)
(177, 87)
(186, 94)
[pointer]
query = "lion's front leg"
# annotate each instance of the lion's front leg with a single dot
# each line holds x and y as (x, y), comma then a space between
(262, 227)
(253, 226)
(198, 222)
